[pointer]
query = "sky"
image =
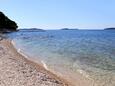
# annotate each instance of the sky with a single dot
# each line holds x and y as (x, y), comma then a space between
(56, 14)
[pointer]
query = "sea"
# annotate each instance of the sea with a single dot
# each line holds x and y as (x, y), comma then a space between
(66, 52)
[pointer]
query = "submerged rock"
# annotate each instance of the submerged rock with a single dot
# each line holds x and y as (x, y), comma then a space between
(7, 25)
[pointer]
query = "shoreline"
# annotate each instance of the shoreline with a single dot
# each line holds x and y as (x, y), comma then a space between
(80, 80)
(48, 78)
(61, 80)
(38, 64)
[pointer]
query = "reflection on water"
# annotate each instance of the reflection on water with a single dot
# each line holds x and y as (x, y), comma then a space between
(90, 51)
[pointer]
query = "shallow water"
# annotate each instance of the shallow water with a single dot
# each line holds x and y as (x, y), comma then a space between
(91, 52)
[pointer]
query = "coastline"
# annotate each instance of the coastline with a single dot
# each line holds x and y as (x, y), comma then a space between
(55, 78)
(32, 74)
(70, 79)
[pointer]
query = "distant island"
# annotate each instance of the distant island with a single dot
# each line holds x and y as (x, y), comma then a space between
(69, 29)
(31, 29)
(7, 25)
(113, 28)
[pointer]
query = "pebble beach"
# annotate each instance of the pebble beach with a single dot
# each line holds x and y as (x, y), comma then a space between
(15, 70)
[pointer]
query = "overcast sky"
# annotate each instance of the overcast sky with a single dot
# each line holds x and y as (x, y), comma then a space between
(56, 14)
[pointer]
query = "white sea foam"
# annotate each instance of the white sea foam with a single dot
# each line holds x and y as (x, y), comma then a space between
(44, 64)
(19, 50)
(83, 73)
(80, 70)
(12, 42)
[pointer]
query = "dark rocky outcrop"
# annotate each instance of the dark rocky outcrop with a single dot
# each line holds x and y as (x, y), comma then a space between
(7, 25)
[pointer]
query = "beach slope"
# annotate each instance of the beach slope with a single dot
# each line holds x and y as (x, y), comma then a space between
(15, 70)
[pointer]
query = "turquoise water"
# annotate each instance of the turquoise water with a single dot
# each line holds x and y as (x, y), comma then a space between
(92, 51)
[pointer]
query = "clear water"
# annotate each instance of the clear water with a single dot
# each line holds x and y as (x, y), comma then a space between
(92, 51)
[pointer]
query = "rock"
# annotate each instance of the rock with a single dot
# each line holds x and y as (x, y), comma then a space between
(7, 25)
